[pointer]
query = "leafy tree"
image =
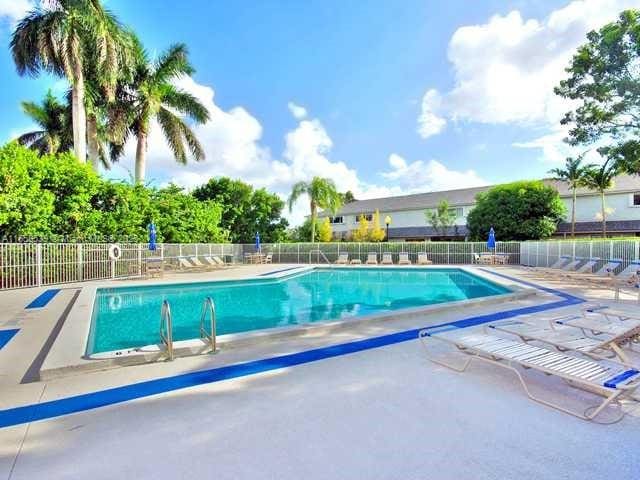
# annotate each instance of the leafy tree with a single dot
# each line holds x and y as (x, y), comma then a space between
(24, 208)
(605, 81)
(361, 234)
(152, 95)
(246, 211)
(441, 218)
(54, 119)
(322, 194)
(600, 179)
(63, 37)
(377, 233)
(324, 230)
(301, 233)
(347, 197)
(573, 173)
(528, 210)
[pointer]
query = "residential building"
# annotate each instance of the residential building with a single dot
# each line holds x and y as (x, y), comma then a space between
(409, 222)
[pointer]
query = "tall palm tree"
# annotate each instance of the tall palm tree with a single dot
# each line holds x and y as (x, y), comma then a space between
(600, 179)
(322, 194)
(151, 95)
(573, 174)
(54, 120)
(63, 37)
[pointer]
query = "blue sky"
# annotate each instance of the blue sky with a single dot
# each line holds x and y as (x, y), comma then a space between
(398, 97)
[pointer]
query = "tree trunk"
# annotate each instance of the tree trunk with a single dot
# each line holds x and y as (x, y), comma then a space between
(92, 141)
(573, 214)
(79, 116)
(313, 221)
(604, 216)
(141, 157)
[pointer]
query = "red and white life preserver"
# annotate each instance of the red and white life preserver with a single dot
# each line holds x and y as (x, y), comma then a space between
(114, 252)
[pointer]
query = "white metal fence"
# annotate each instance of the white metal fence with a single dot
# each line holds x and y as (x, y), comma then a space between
(35, 264)
(546, 253)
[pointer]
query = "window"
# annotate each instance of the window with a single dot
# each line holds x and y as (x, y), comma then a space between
(635, 200)
(336, 219)
(457, 211)
(368, 216)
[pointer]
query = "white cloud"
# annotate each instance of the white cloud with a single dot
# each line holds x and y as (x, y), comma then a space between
(421, 176)
(505, 69)
(12, 11)
(298, 112)
(429, 123)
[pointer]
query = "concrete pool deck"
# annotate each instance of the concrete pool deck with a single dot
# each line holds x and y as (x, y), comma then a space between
(379, 413)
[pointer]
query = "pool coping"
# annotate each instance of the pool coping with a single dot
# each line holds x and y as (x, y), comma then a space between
(68, 354)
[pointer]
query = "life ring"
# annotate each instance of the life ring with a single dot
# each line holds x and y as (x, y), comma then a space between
(114, 252)
(115, 302)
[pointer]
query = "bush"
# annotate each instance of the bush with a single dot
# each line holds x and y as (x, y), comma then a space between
(527, 210)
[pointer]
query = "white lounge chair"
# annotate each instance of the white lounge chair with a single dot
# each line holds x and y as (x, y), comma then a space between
(197, 263)
(553, 268)
(607, 378)
(423, 259)
(211, 262)
(185, 264)
(343, 259)
(566, 334)
(607, 270)
(372, 259)
(403, 259)
(387, 259)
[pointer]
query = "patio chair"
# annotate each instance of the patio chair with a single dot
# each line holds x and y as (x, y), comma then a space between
(423, 259)
(387, 259)
(565, 264)
(610, 379)
(403, 259)
(586, 271)
(185, 264)
(483, 258)
(268, 258)
(355, 261)
(343, 259)
(563, 334)
(558, 264)
(372, 258)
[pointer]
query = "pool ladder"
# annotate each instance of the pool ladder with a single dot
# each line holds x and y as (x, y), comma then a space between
(208, 307)
(208, 336)
(166, 329)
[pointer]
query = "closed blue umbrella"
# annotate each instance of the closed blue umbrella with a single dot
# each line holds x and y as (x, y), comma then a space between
(257, 242)
(491, 241)
(152, 237)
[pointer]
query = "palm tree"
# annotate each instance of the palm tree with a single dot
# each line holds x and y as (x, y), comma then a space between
(152, 96)
(54, 120)
(573, 174)
(62, 38)
(322, 194)
(600, 179)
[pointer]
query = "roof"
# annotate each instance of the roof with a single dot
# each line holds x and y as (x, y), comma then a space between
(613, 226)
(465, 196)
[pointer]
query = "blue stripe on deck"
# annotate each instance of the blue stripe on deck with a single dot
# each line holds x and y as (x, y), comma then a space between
(7, 335)
(88, 401)
(44, 298)
(278, 271)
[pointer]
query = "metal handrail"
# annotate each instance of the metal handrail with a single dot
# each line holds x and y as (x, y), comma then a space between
(166, 328)
(210, 337)
(320, 253)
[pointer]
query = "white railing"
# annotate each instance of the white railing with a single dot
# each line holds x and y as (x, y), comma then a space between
(37, 264)
(546, 253)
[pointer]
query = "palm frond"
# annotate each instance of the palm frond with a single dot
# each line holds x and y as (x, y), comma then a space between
(185, 103)
(170, 125)
(172, 64)
(297, 191)
(29, 138)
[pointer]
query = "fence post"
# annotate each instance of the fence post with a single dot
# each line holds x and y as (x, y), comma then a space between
(79, 262)
(113, 269)
(448, 258)
(39, 264)
(279, 251)
(298, 252)
(179, 250)
(139, 259)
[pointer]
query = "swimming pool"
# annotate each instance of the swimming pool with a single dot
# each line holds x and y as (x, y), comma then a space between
(128, 317)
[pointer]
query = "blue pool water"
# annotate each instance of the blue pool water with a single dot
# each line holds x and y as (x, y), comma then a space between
(129, 317)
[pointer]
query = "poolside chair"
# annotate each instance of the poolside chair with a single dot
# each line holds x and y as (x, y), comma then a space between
(569, 333)
(197, 263)
(403, 259)
(607, 378)
(564, 264)
(483, 258)
(372, 258)
(423, 259)
(343, 259)
(185, 264)
(607, 270)
(557, 265)
(355, 261)
(212, 262)
(268, 258)
(387, 259)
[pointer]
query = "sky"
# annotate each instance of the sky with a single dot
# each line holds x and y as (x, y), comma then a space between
(385, 98)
